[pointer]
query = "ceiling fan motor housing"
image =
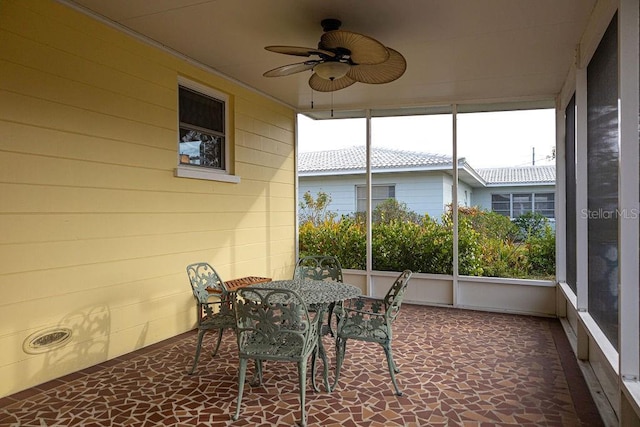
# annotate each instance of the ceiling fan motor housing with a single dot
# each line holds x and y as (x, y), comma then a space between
(330, 24)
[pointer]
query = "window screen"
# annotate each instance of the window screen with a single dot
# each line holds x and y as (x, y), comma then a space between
(544, 204)
(602, 183)
(501, 203)
(570, 177)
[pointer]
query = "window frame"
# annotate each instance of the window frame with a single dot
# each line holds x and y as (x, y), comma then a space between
(522, 203)
(374, 201)
(532, 201)
(549, 198)
(503, 196)
(203, 172)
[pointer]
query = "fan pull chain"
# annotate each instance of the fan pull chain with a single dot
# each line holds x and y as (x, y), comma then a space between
(331, 104)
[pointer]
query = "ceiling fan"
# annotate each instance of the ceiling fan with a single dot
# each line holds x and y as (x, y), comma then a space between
(344, 58)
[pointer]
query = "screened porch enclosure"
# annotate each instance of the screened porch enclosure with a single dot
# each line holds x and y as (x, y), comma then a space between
(110, 186)
(505, 193)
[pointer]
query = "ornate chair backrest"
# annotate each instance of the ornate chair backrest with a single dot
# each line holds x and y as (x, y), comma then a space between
(274, 323)
(206, 282)
(319, 267)
(395, 295)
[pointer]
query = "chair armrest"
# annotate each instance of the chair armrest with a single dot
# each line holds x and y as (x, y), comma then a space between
(219, 306)
(362, 308)
(364, 304)
(363, 321)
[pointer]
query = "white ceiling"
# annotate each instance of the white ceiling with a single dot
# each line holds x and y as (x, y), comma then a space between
(456, 50)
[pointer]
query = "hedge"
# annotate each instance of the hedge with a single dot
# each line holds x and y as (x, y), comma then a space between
(489, 244)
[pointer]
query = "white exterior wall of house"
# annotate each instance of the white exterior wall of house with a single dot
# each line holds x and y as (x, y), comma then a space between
(425, 195)
(430, 194)
(464, 192)
(341, 188)
(447, 191)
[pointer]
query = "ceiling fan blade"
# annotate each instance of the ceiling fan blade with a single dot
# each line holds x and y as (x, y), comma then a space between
(323, 85)
(364, 50)
(287, 70)
(385, 72)
(300, 51)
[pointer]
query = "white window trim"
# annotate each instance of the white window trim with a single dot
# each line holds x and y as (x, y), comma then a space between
(533, 202)
(195, 172)
(371, 195)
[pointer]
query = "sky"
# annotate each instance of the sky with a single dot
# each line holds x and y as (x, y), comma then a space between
(492, 139)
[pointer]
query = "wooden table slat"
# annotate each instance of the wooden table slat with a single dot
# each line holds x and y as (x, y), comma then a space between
(235, 284)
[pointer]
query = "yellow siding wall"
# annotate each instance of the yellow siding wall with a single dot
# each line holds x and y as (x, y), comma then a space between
(95, 231)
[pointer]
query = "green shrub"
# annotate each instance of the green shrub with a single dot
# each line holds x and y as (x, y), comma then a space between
(345, 239)
(490, 225)
(504, 258)
(530, 224)
(469, 248)
(392, 210)
(542, 253)
(489, 244)
(400, 245)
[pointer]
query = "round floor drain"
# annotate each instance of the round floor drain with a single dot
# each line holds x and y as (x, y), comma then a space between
(47, 340)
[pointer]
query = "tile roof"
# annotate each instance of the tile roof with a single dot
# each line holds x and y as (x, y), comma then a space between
(519, 175)
(352, 159)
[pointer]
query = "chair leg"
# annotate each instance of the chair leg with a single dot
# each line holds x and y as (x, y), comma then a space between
(314, 357)
(220, 332)
(341, 348)
(242, 371)
(257, 375)
(395, 367)
(198, 349)
(392, 367)
(302, 376)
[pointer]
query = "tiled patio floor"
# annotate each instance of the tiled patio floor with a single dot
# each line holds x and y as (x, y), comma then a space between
(458, 368)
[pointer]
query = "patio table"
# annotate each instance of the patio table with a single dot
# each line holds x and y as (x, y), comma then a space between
(319, 293)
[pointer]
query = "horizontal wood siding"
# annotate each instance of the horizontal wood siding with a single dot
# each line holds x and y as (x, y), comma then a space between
(95, 230)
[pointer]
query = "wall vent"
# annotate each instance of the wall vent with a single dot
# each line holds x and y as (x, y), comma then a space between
(46, 340)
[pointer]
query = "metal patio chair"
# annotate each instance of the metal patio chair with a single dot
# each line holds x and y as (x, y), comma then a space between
(368, 319)
(320, 267)
(214, 304)
(274, 324)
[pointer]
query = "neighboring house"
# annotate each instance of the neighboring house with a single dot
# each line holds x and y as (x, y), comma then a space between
(424, 182)
(513, 191)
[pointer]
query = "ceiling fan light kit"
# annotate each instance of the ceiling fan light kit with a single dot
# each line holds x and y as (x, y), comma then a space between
(332, 70)
(344, 58)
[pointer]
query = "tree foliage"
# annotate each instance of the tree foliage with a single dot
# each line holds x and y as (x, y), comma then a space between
(315, 210)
